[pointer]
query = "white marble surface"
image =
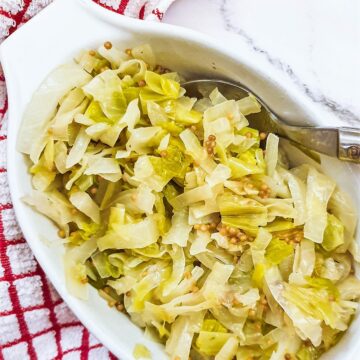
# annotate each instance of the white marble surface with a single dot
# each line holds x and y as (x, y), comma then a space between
(313, 46)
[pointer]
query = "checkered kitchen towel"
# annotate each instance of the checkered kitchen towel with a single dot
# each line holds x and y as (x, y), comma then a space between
(34, 322)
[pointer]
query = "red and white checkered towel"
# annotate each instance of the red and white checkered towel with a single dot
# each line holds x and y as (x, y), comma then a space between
(34, 322)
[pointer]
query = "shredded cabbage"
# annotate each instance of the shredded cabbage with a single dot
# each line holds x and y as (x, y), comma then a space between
(179, 231)
(130, 236)
(33, 131)
(141, 352)
(333, 234)
(167, 205)
(319, 190)
(83, 202)
(271, 155)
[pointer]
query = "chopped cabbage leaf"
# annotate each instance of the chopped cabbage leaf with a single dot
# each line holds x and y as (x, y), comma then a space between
(145, 53)
(60, 156)
(219, 120)
(145, 173)
(78, 149)
(306, 326)
(43, 105)
(97, 165)
(210, 343)
(130, 236)
(137, 201)
(233, 205)
(248, 105)
(162, 85)
(334, 233)
(84, 203)
(258, 247)
(349, 289)
(200, 243)
(179, 343)
(178, 258)
(113, 55)
(174, 164)
(271, 155)
(195, 195)
(318, 299)
(319, 190)
(298, 192)
(217, 279)
(228, 350)
(277, 251)
(141, 352)
(220, 174)
(104, 267)
(308, 353)
(164, 143)
(122, 285)
(143, 138)
(341, 206)
(247, 164)
(304, 261)
(43, 174)
(60, 126)
(75, 270)
(48, 204)
(216, 97)
(195, 150)
(106, 89)
(179, 231)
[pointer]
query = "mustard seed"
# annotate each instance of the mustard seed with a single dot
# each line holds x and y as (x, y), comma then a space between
(232, 231)
(61, 234)
(119, 307)
(194, 289)
(262, 136)
(187, 274)
(108, 45)
(223, 231)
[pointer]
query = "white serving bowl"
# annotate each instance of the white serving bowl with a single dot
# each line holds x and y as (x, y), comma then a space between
(55, 36)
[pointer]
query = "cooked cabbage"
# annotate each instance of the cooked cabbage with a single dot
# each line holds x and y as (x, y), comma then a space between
(168, 206)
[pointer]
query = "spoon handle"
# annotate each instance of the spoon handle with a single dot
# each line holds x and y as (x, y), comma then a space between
(349, 144)
(343, 143)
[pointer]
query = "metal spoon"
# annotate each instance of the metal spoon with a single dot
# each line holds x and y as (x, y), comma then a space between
(343, 143)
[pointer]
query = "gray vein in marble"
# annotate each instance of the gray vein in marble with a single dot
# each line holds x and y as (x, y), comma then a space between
(332, 105)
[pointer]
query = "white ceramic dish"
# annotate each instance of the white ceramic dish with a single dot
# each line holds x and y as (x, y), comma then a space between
(52, 38)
